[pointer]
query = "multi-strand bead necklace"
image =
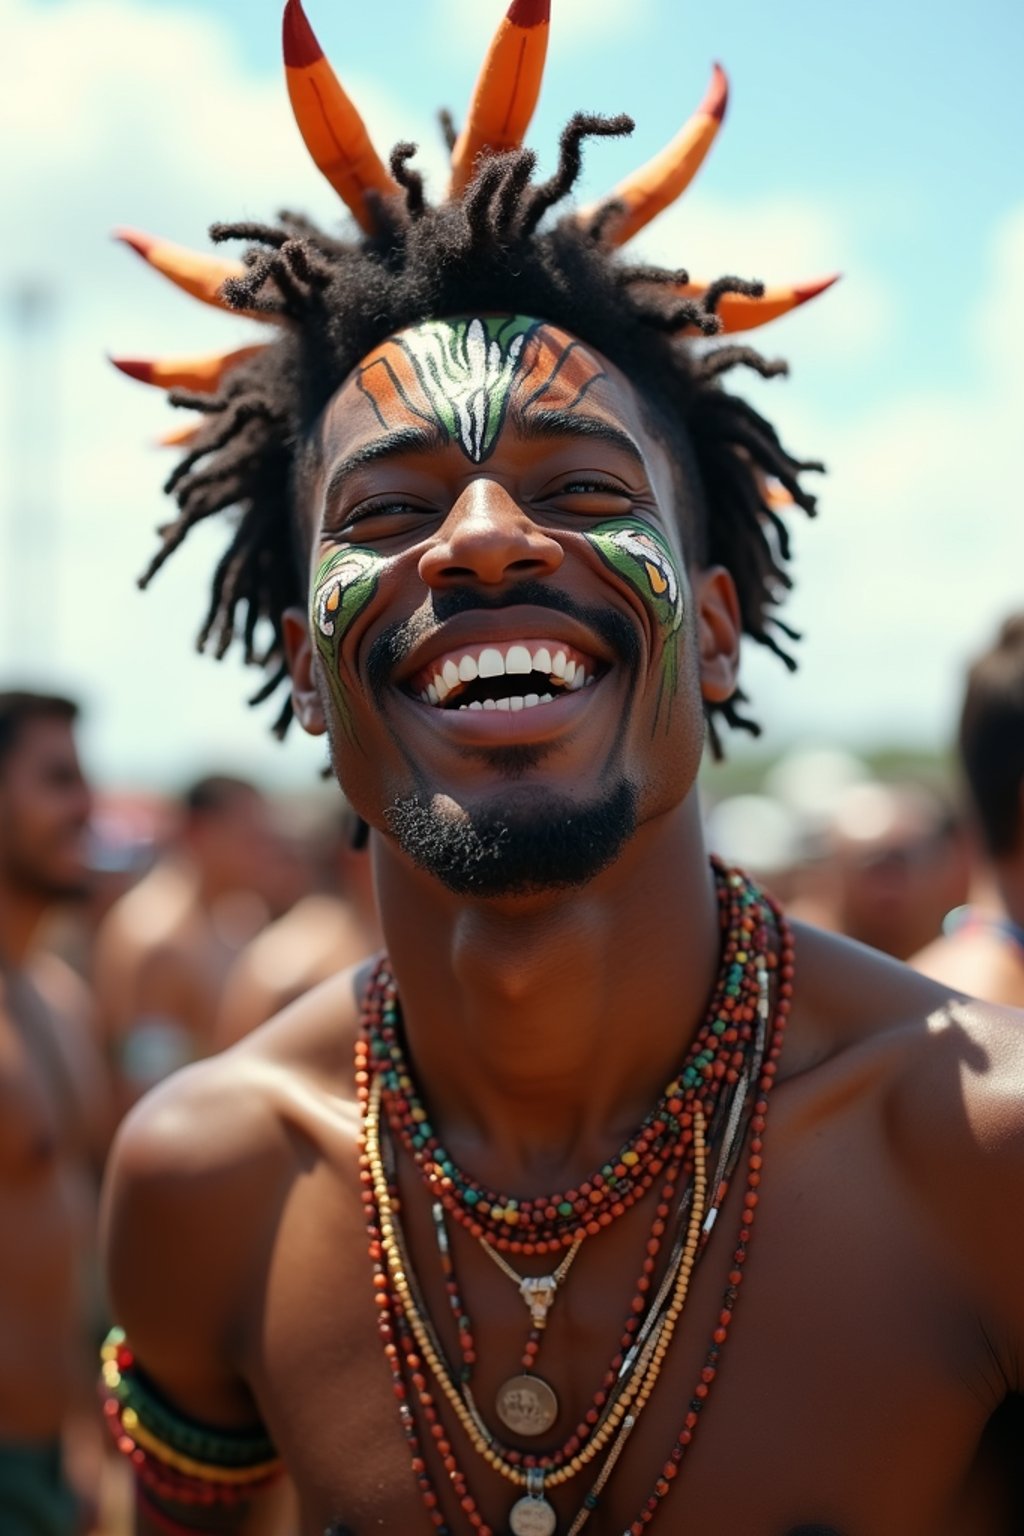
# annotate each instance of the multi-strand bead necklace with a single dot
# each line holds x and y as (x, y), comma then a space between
(719, 1097)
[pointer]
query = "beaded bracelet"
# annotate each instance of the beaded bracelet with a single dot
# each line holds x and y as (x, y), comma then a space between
(176, 1459)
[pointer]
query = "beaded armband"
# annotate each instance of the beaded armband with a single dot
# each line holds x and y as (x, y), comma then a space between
(177, 1460)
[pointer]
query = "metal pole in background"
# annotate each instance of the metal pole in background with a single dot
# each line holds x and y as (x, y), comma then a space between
(32, 560)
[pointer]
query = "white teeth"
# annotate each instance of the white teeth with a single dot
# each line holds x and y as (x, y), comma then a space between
(590, 679)
(515, 703)
(490, 704)
(578, 681)
(569, 673)
(547, 698)
(518, 659)
(467, 670)
(491, 663)
(558, 664)
(542, 660)
(450, 673)
(530, 700)
(476, 704)
(441, 688)
(505, 704)
(431, 693)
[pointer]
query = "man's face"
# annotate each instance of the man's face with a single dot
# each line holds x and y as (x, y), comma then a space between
(505, 635)
(44, 810)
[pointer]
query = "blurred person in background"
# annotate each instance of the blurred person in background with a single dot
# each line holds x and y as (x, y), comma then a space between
(893, 862)
(166, 947)
(54, 1123)
(325, 932)
(982, 951)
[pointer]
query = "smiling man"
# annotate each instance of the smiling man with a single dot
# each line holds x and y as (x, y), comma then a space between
(602, 1198)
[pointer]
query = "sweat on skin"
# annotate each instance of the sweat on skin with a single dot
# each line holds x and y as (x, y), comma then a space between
(459, 379)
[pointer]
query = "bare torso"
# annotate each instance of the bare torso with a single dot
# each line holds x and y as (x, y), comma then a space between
(864, 1386)
(51, 1098)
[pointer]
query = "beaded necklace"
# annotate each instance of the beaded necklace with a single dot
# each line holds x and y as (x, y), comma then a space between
(532, 1225)
(714, 1065)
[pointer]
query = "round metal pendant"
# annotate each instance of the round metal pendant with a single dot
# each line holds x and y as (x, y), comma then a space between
(532, 1517)
(527, 1405)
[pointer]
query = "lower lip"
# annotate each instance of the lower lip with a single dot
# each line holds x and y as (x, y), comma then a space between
(499, 727)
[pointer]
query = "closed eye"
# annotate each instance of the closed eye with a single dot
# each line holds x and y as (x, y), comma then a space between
(385, 517)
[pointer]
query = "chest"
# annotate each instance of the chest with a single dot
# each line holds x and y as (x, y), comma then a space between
(850, 1391)
(33, 1097)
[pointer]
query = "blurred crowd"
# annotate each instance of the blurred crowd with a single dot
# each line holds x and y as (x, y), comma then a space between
(138, 934)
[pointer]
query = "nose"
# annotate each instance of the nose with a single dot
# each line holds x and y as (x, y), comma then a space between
(488, 539)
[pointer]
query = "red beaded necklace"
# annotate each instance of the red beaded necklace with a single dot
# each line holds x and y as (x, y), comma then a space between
(713, 1062)
(532, 1225)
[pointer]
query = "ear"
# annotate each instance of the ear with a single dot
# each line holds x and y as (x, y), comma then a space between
(300, 654)
(718, 632)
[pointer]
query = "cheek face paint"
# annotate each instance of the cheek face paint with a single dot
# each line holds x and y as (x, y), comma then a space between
(643, 557)
(345, 582)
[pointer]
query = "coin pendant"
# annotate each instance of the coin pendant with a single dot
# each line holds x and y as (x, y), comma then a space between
(527, 1405)
(532, 1517)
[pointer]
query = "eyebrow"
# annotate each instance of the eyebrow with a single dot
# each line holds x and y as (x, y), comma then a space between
(534, 425)
(537, 424)
(405, 440)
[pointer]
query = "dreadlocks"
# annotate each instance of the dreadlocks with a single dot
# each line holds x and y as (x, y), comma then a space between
(482, 250)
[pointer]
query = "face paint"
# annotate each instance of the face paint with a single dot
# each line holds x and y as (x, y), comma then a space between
(454, 374)
(344, 584)
(642, 556)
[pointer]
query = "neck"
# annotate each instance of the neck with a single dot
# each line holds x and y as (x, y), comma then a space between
(21, 912)
(542, 1029)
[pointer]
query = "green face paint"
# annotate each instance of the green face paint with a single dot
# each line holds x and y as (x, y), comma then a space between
(344, 584)
(456, 373)
(643, 557)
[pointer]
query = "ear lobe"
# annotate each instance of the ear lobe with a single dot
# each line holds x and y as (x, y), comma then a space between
(300, 655)
(718, 631)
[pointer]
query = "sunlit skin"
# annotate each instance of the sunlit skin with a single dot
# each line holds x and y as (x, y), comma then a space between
(879, 1326)
(54, 1113)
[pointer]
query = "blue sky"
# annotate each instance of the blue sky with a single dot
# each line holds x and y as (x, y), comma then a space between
(883, 140)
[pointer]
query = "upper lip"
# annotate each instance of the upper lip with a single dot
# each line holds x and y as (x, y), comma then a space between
(480, 626)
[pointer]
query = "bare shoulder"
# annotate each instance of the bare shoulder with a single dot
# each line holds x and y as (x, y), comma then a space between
(198, 1180)
(949, 1075)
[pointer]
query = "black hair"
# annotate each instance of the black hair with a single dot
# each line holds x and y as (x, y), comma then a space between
(337, 299)
(992, 739)
(19, 707)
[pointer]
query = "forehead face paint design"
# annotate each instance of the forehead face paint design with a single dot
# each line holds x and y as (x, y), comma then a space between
(458, 375)
(643, 557)
(344, 583)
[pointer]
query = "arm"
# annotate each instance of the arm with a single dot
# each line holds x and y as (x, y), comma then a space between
(189, 1195)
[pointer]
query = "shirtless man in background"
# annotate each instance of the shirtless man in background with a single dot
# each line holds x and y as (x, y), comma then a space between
(166, 947)
(982, 951)
(326, 931)
(54, 1121)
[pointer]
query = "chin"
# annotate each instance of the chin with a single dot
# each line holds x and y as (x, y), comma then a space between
(535, 840)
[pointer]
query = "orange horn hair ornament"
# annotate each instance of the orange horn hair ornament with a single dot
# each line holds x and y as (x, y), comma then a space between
(739, 312)
(506, 91)
(197, 274)
(181, 437)
(334, 133)
(197, 373)
(650, 190)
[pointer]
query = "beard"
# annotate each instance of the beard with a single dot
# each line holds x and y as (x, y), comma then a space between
(532, 844)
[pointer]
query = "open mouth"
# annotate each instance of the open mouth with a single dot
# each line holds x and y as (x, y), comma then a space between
(504, 675)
